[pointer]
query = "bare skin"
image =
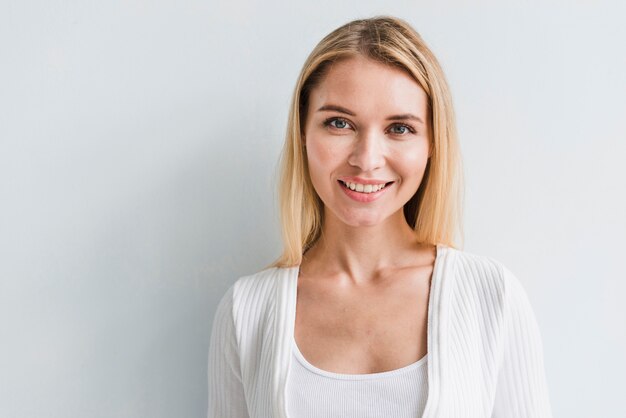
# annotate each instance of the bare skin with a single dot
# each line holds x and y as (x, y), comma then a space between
(371, 327)
(363, 289)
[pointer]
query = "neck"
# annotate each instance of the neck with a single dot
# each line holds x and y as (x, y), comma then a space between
(361, 254)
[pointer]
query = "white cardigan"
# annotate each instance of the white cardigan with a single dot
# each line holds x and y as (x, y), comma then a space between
(485, 353)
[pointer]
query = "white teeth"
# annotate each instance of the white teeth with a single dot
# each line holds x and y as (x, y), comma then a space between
(364, 188)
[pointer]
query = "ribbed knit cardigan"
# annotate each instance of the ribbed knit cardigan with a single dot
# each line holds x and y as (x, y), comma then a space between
(485, 354)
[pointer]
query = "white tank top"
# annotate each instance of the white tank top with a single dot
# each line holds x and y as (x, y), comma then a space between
(314, 393)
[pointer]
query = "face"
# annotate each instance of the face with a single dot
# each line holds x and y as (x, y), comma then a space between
(366, 127)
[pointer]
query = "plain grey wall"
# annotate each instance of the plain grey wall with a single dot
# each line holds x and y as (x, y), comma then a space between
(138, 146)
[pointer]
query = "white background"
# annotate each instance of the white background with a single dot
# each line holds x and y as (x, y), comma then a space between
(138, 151)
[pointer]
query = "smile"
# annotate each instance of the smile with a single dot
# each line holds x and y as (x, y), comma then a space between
(364, 188)
(364, 192)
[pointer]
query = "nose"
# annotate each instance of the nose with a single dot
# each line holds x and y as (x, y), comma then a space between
(367, 152)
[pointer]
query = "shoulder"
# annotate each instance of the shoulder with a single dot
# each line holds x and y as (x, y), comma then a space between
(486, 278)
(253, 296)
(252, 288)
(258, 286)
(483, 269)
(471, 264)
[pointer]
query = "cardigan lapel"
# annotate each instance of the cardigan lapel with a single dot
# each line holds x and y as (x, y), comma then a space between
(286, 286)
(438, 313)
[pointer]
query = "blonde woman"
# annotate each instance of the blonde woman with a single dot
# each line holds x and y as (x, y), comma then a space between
(372, 310)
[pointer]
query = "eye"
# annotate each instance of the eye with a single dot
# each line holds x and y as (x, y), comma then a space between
(337, 123)
(404, 129)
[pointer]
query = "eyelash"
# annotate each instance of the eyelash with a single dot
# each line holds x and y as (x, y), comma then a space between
(328, 121)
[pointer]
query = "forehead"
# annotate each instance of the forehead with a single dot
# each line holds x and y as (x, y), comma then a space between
(363, 84)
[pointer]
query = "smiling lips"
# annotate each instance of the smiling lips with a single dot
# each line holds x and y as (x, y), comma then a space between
(363, 188)
(364, 192)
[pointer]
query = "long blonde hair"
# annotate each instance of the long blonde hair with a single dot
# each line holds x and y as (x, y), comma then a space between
(435, 211)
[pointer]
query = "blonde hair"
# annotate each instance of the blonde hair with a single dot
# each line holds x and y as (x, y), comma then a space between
(435, 211)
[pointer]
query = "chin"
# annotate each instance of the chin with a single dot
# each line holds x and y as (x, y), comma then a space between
(357, 221)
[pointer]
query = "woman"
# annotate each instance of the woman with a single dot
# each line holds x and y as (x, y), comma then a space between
(371, 310)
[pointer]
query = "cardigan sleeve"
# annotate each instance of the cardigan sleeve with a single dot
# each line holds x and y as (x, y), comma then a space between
(522, 389)
(226, 394)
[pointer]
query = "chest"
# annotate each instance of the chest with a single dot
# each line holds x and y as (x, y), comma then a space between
(369, 330)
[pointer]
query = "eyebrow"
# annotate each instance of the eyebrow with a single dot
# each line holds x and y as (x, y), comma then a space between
(404, 116)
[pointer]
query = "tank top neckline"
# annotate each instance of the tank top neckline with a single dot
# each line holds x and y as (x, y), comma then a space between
(367, 376)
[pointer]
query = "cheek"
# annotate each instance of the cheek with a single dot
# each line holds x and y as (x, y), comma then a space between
(417, 160)
(322, 158)
(412, 163)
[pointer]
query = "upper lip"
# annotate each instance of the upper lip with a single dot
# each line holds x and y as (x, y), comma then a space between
(360, 180)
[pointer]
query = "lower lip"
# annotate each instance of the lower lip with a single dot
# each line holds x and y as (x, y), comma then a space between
(363, 197)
